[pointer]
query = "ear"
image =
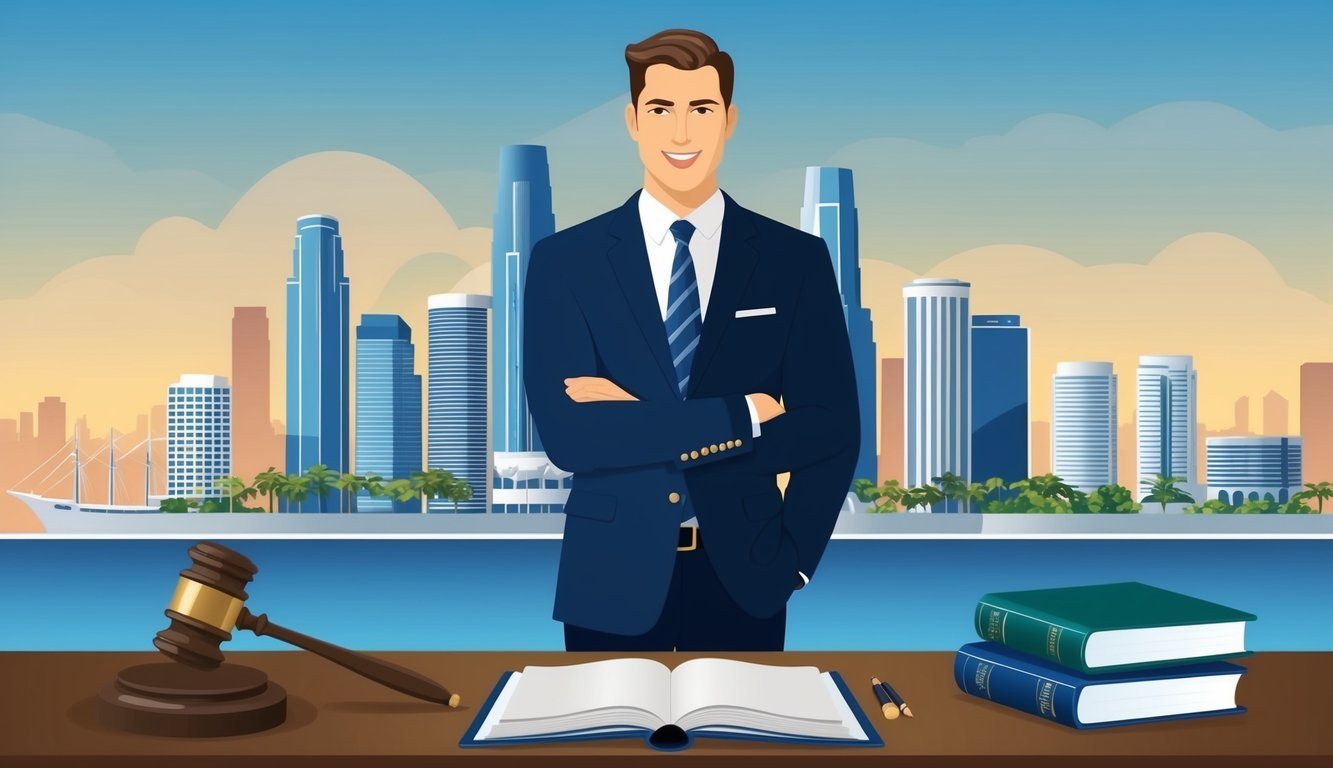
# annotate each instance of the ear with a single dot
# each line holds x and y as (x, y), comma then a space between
(632, 121)
(731, 120)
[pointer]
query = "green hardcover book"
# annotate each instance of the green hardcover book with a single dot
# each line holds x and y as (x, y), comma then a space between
(1112, 627)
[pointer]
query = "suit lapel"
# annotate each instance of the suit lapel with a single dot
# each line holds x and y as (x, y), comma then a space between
(736, 259)
(629, 260)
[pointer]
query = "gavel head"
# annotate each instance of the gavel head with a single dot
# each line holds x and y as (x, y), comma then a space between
(209, 597)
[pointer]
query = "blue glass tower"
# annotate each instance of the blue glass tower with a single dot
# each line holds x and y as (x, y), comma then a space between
(1000, 429)
(318, 327)
(388, 408)
(829, 211)
(456, 404)
(522, 217)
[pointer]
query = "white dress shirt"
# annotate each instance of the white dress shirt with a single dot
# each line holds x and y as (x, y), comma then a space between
(707, 220)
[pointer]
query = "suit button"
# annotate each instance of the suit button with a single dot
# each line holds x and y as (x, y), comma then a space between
(673, 497)
(738, 442)
(731, 443)
(723, 447)
(703, 451)
(684, 457)
(694, 454)
(712, 448)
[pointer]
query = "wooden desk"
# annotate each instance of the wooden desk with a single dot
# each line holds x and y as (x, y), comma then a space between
(335, 718)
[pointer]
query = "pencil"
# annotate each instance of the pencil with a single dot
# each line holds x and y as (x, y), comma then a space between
(886, 704)
(893, 696)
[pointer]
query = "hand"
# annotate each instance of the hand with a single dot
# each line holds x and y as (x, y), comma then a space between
(766, 406)
(590, 389)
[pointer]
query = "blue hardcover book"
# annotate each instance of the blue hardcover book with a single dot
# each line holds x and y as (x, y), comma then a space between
(1015, 679)
(641, 698)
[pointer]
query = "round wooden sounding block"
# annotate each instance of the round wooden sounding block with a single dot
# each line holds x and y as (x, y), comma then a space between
(170, 699)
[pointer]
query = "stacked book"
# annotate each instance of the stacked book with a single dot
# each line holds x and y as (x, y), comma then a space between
(1106, 654)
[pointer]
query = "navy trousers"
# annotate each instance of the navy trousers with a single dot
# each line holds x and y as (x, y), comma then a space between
(699, 615)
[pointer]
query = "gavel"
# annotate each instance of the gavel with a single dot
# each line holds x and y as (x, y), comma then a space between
(210, 601)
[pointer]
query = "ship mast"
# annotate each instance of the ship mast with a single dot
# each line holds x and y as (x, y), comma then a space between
(75, 497)
(111, 477)
(148, 469)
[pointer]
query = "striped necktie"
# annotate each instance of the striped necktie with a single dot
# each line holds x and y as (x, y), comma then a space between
(683, 322)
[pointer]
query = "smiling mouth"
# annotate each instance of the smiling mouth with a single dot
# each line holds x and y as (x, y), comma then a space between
(682, 159)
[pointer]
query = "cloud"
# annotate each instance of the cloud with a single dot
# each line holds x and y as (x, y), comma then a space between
(67, 197)
(110, 333)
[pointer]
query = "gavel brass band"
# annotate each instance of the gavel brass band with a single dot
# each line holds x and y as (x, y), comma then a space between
(207, 604)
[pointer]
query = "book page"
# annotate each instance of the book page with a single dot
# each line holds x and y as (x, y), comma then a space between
(556, 692)
(789, 693)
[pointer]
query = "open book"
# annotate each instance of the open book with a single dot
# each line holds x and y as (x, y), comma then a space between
(641, 697)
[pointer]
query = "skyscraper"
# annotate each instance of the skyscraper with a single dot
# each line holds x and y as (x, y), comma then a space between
(1317, 421)
(1084, 429)
(456, 401)
(388, 408)
(1167, 404)
(52, 429)
(1276, 419)
(252, 432)
(1242, 422)
(26, 431)
(891, 419)
(829, 211)
(198, 436)
(1000, 404)
(317, 352)
(522, 217)
(938, 333)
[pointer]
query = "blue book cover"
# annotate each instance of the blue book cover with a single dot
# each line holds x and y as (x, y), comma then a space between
(1018, 680)
(669, 738)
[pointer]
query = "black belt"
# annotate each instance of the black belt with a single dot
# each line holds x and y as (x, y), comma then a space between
(689, 538)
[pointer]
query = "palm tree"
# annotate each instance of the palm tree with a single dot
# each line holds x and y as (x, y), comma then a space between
(951, 487)
(294, 488)
(400, 489)
(1319, 492)
(887, 496)
(1164, 491)
(321, 480)
(267, 483)
(994, 485)
(348, 484)
(431, 484)
(234, 486)
(458, 490)
(976, 493)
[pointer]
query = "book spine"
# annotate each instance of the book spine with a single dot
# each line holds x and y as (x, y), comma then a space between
(1019, 689)
(1032, 635)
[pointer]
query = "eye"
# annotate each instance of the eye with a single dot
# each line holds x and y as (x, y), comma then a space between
(657, 111)
(703, 110)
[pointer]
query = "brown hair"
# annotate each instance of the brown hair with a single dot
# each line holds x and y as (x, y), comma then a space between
(682, 49)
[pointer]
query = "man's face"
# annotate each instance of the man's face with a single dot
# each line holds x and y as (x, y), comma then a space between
(680, 125)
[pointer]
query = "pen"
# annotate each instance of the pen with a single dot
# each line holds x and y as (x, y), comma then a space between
(893, 696)
(886, 704)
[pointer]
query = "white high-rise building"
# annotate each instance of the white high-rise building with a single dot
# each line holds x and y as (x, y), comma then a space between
(198, 436)
(1167, 421)
(937, 380)
(1083, 424)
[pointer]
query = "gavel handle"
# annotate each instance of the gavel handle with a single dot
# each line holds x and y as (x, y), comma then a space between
(398, 678)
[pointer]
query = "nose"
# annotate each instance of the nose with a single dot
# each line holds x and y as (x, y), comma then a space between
(682, 135)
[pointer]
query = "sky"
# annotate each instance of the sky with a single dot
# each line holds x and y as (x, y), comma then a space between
(1103, 133)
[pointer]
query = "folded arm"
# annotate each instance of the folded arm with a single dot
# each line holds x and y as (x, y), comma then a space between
(589, 436)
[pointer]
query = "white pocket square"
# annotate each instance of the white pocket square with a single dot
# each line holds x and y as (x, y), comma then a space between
(756, 311)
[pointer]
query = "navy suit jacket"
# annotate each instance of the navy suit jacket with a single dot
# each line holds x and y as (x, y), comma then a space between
(589, 309)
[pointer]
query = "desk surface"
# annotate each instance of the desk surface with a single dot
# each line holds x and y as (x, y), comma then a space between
(335, 718)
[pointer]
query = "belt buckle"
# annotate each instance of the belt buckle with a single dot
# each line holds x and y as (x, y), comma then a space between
(694, 539)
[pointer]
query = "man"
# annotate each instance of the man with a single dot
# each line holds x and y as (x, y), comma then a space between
(658, 339)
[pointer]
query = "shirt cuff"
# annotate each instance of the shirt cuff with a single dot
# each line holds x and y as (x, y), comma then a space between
(803, 576)
(754, 417)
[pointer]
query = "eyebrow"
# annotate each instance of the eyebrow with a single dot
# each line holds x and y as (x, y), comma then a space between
(695, 103)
